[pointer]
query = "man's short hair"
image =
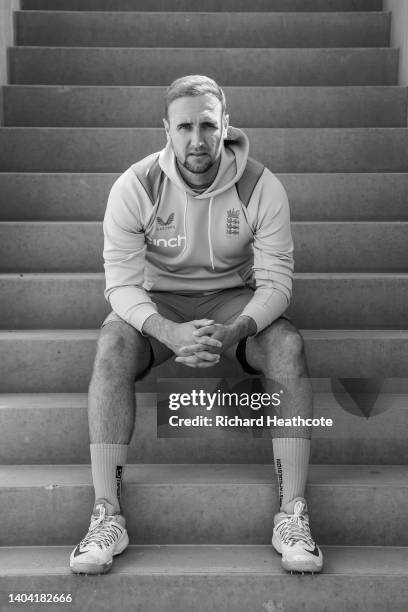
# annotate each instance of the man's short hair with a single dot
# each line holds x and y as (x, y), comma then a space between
(193, 85)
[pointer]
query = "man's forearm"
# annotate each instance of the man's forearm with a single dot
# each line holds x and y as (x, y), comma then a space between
(266, 306)
(158, 327)
(242, 326)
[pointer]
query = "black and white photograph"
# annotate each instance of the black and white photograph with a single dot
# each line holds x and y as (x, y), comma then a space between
(204, 305)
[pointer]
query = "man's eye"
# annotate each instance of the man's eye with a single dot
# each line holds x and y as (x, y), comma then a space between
(184, 126)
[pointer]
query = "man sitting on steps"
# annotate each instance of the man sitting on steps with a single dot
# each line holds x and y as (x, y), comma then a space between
(198, 263)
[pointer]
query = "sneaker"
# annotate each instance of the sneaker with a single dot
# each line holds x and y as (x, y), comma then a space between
(292, 539)
(106, 537)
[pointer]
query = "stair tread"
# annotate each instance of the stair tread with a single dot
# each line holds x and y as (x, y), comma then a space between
(281, 149)
(202, 28)
(208, 559)
(347, 106)
(151, 475)
(151, 5)
(301, 275)
(230, 65)
(289, 14)
(98, 223)
(251, 132)
(91, 334)
(208, 49)
(298, 175)
(258, 89)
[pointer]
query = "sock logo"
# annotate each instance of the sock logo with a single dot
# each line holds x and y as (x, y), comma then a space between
(119, 471)
(280, 480)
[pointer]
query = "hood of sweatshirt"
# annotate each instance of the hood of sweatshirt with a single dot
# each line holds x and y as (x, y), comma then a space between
(234, 157)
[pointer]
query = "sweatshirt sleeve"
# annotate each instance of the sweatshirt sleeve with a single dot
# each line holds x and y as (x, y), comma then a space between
(124, 253)
(269, 216)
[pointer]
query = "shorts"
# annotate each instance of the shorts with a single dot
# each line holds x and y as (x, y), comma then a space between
(222, 306)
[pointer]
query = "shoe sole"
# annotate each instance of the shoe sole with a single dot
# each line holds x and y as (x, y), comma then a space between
(301, 567)
(308, 567)
(93, 568)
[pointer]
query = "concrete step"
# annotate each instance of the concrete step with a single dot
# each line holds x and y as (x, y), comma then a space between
(29, 423)
(282, 150)
(319, 246)
(74, 106)
(203, 578)
(116, 29)
(188, 504)
(245, 66)
(318, 197)
(203, 5)
(55, 361)
(333, 300)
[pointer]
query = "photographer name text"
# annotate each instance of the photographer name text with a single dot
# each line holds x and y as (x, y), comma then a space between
(237, 421)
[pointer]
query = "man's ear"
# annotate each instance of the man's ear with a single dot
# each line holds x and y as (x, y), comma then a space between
(225, 126)
(166, 127)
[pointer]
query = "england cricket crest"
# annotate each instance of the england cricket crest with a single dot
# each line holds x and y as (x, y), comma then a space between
(232, 223)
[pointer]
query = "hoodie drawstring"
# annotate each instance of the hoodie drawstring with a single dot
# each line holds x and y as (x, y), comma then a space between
(185, 221)
(209, 234)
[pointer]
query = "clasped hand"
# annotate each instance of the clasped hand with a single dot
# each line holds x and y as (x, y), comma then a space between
(200, 342)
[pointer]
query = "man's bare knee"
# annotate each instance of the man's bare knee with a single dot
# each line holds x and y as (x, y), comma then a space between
(278, 346)
(121, 351)
(289, 341)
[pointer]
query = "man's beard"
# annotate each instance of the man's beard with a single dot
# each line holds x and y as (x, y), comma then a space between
(195, 170)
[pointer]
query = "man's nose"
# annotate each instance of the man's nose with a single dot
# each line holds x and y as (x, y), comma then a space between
(197, 138)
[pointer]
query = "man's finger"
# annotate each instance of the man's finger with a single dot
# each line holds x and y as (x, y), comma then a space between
(202, 322)
(206, 356)
(204, 344)
(199, 356)
(203, 331)
(194, 364)
(187, 360)
(208, 341)
(191, 349)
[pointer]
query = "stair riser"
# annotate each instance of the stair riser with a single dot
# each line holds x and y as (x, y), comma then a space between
(203, 5)
(252, 107)
(79, 29)
(208, 593)
(312, 197)
(282, 150)
(29, 436)
(195, 513)
(104, 66)
(75, 303)
(319, 247)
(41, 364)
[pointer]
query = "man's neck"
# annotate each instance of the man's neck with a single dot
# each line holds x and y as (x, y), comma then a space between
(199, 181)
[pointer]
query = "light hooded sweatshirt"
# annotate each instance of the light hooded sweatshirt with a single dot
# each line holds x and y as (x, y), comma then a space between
(198, 243)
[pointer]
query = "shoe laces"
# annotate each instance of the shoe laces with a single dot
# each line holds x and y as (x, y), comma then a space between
(103, 530)
(295, 528)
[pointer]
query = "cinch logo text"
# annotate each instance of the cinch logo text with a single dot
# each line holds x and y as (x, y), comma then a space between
(170, 242)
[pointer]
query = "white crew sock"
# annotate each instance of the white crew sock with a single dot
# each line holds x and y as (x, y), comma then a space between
(291, 458)
(108, 463)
